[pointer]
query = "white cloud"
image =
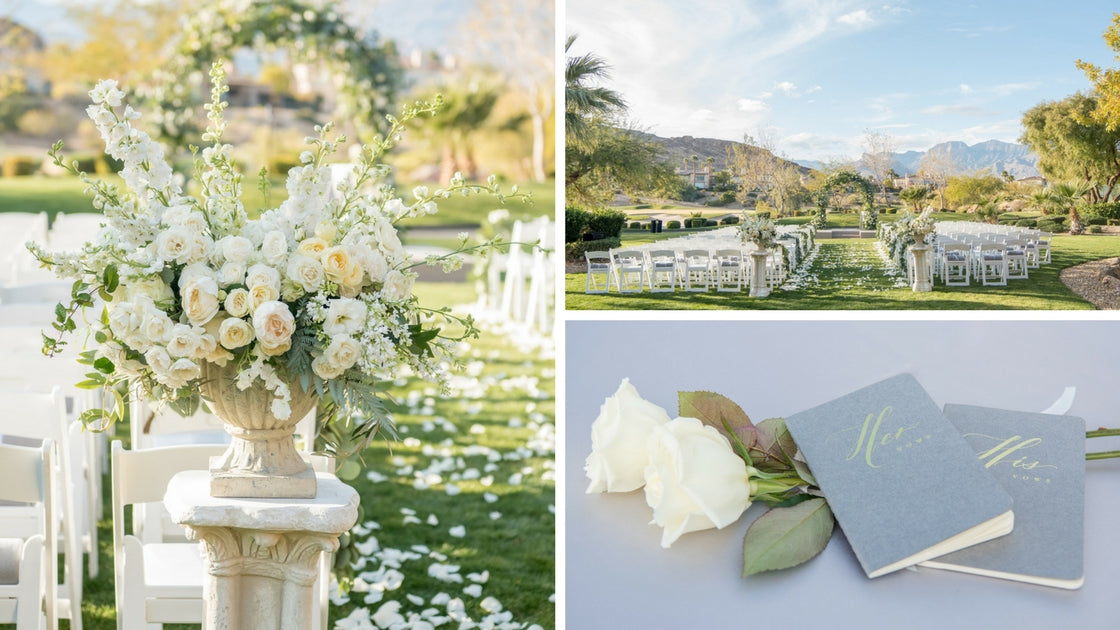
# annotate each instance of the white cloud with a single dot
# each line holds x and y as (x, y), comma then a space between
(959, 110)
(858, 18)
(966, 88)
(752, 106)
(1005, 89)
(787, 86)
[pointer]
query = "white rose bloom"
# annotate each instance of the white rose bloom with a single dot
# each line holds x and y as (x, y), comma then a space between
(262, 275)
(618, 440)
(184, 341)
(274, 248)
(194, 271)
(120, 318)
(391, 244)
(397, 287)
(262, 293)
(343, 352)
(236, 249)
(325, 230)
(231, 273)
(200, 300)
(158, 359)
(324, 369)
(157, 326)
(235, 333)
(180, 373)
(305, 271)
(345, 316)
(238, 302)
(376, 266)
(274, 324)
(153, 287)
(336, 263)
(174, 245)
(694, 479)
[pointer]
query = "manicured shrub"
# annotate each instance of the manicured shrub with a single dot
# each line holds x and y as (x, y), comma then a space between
(673, 225)
(575, 251)
(642, 206)
(730, 220)
(764, 214)
(711, 223)
(281, 164)
(575, 223)
(606, 222)
(17, 165)
(635, 225)
(1027, 223)
(1109, 210)
(1094, 229)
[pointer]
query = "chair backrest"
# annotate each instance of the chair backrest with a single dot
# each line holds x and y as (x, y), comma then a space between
(600, 257)
(696, 255)
(28, 478)
(729, 254)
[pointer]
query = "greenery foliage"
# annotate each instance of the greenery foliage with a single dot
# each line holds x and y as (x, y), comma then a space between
(606, 222)
(1074, 145)
(966, 190)
(575, 223)
(574, 251)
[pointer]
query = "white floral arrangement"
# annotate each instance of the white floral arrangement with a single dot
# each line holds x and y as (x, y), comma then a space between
(759, 230)
(315, 293)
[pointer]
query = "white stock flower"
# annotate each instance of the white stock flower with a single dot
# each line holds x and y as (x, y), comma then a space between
(345, 316)
(274, 324)
(397, 287)
(235, 333)
(694, 480)
(618, 440)
(238, 302)
(200, 300)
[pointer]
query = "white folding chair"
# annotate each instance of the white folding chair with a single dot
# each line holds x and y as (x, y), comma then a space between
(729, 270)
(956, 264)
(630, 270)
(31, 418)
(993, 264)
(161, 582)
(1017, 262)
(28, 557)
(697, 270)
(1043, 244)
(662, 270)
(598, 272)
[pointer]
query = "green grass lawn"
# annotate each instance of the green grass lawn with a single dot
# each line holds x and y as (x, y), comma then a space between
(850, 276)
(491, 444)
(66, 194)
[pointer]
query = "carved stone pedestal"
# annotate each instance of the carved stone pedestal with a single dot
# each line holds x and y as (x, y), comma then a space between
(922, 280)
(760, 284)
(261, 556)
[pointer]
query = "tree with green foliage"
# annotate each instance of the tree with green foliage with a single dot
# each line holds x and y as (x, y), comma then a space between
(1106, 82)
(467, 111)
(916, 196)
(1070, 195)
(1042, 201)
(1072, 144)
(975, 189)
(586, 102)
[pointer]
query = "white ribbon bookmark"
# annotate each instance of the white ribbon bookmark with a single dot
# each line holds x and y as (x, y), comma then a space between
(1063, 403)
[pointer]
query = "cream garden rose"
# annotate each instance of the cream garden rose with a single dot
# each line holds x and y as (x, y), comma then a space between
(618, 441)
(200, 300)
(235, 333)
(694, 480)
(336, 263)
(274, 324)
(305, 271)
(238, 302)
(398, 286)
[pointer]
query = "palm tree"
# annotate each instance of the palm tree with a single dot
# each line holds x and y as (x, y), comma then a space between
(695, 160)
(915, 196)
(584, 100)
(1042, 201)
(1069, 195)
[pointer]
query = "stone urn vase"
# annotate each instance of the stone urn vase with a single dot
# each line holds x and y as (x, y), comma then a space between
(262, 460)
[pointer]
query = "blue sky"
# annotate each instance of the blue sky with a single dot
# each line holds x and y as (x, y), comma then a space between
(816, 74)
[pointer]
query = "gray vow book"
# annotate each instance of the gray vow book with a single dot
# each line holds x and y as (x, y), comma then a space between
(902, 482)
(1040, 460)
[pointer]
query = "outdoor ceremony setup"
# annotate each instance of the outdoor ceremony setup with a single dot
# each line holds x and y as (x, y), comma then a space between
(717, 259)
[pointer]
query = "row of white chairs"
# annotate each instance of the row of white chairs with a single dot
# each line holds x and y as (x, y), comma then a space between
(67, 233)
(664, 270)
(520, 283)
(992, 259)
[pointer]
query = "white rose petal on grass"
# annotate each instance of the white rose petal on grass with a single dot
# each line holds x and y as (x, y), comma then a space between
(432, 520)
(474, 590)
(489, 497)
(618, 441)
(459, 531)
(415, 599)
(452, 490)
(694, 479)
(387, 615)
(448, 573)
(479, 578)
(495, 516)
(491, 605)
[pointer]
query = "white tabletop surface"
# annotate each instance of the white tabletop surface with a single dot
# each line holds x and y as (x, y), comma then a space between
(617, 575)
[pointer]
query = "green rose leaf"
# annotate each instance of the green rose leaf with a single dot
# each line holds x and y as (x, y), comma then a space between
(787, 536)
(775, 446)
(716, 410)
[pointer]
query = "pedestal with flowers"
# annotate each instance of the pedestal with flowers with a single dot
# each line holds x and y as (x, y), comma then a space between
(310, 303)
(919, 228)
(760, 232)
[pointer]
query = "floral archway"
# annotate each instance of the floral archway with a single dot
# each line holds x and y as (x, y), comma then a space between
(364, 70)
(847, 180)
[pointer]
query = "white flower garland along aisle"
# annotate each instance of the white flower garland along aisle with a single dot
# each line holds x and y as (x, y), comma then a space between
(316, 292)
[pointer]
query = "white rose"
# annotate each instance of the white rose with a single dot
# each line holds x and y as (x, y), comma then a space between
(313, 246)
(274, 324)
(120, 319)
(275, 247)
(200, 300)
(345, 316)
(343, 352)
(262, 275)
(262, 293)
(336, 263)
(154, 288)
(157, 326)
(238, 303)
(325, 230)
(184, 341)
(235, 333)
(236, 249)
(231, 273)
(694, 480)
(194, 271)
(324, 369)
(618, 440)
(397, 287)
(180, 372)
(174, 245)
(158, 359)
(305, 271)
(376, 266)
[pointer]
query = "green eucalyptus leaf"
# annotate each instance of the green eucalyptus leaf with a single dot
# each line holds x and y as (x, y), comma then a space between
(716, 410)
(785, 537)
